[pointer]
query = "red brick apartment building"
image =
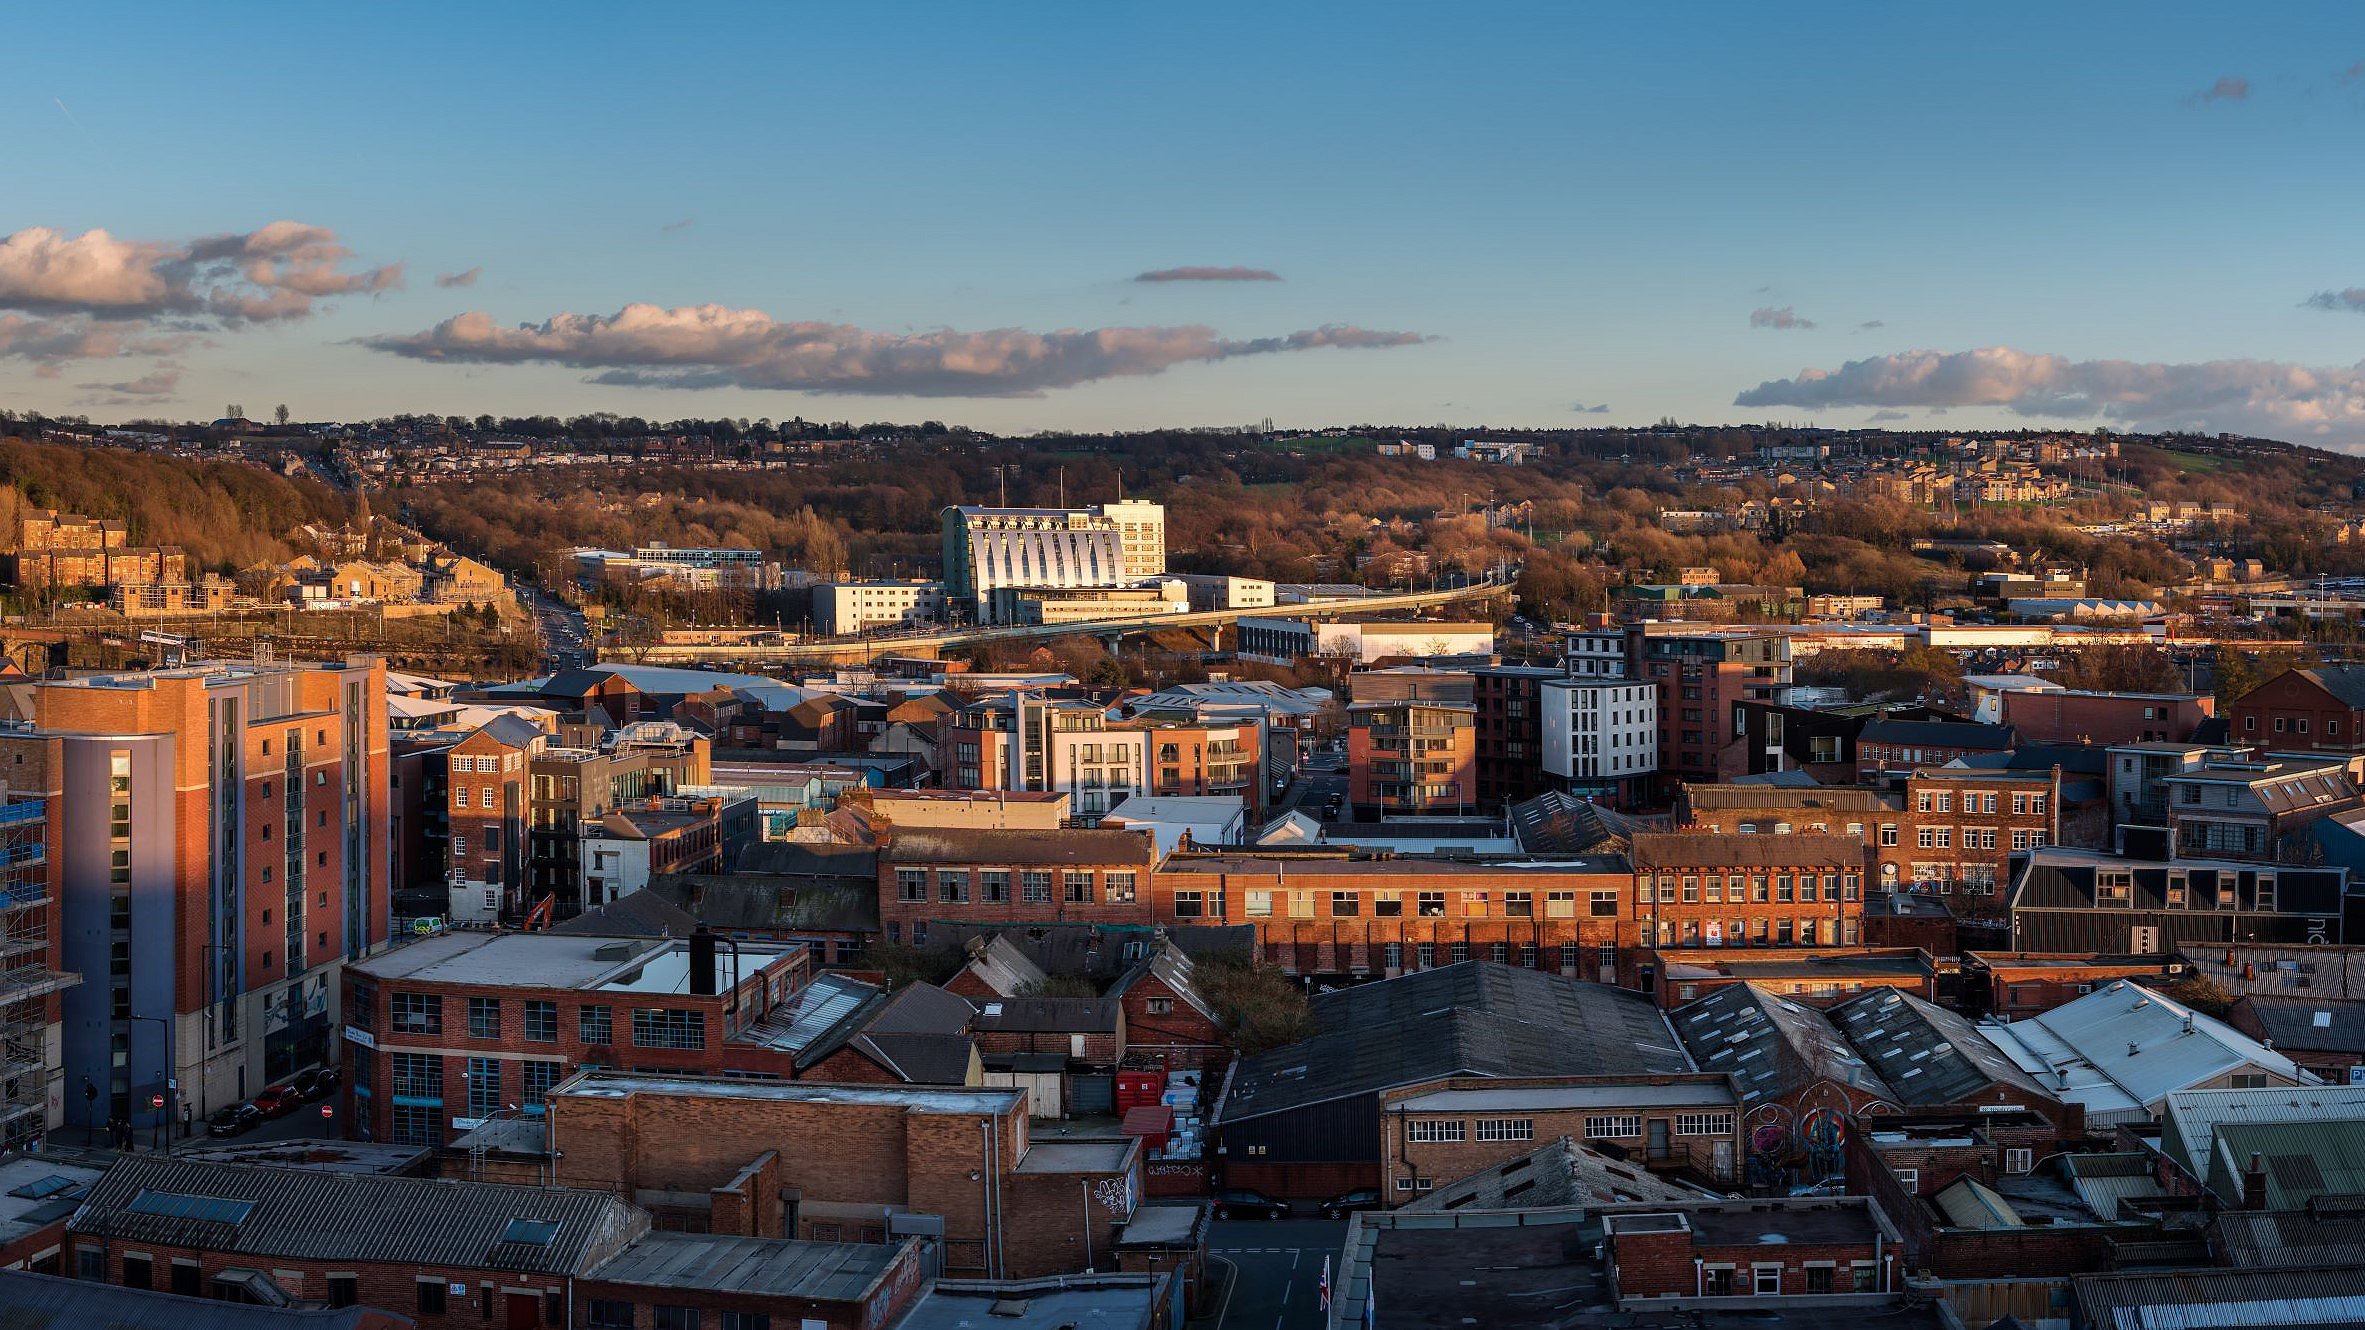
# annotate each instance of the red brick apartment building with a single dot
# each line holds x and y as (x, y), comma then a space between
(2058, 716)
(449, 1032)
(1336, 914)
(849, 1163)
(965, 875)
(2320, 710)
(1703, 678)
(218, 849)
(1412, 757)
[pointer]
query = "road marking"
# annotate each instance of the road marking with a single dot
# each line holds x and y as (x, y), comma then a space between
(1226, 1308)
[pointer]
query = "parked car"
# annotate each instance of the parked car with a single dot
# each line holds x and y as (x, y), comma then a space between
(279, 1101)
(231, 1119)
(316, 1082)
(1242, 1203)
(1348, 1202)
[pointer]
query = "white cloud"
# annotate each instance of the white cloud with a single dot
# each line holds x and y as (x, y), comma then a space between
(710, 346)
(2261, 397)
(274, 272)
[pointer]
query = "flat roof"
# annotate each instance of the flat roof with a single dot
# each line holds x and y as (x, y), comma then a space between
(1076, 1156)
(556, 960)
(37, 1191)
(1088, 1302)
(917, 1098)
(787, 1267)
(1544, 1097)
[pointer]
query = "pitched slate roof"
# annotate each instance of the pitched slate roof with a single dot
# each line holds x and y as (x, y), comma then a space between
(1771, 1046)
(2346, 683)
(641, 913)
(1928, 1054)
(1476, 1018)
(2310, 1025)
(294, 1214)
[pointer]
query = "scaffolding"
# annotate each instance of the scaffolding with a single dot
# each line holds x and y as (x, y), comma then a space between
(27, 979)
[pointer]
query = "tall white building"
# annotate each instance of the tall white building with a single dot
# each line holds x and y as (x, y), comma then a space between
(1601, 736)
(850, 607)
(1105, 545)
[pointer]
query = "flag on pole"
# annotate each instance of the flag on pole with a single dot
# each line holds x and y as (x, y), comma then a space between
(1324, 1286)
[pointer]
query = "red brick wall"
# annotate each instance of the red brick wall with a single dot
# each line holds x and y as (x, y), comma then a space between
(1183, 1035)
(390, 1287)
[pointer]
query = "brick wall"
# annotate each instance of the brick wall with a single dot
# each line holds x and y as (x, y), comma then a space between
(492, 1298)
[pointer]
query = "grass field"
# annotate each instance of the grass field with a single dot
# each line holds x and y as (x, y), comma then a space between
(2194, 461)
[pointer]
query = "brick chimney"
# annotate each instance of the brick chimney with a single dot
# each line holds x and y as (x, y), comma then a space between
(2254, 1183)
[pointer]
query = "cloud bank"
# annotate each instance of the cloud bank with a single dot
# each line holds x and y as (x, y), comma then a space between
(2260, 397)
(1209, 275)
(1768, 316)
(1597, 409)
(711, 346)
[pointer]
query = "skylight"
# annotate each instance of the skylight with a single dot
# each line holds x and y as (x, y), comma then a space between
(181, 1205)
(531, 1232)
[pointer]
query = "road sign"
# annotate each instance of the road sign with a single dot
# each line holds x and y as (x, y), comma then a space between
(328, 1110)
(155, 1101)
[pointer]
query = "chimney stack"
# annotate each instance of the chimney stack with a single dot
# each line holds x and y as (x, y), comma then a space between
(2254, 1183)
(702, 966)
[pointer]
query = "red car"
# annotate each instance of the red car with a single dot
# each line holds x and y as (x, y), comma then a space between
(279, 1101)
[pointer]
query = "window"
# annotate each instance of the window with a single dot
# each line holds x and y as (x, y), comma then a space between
(1388, 905)
(1259, 904)
(1909, 1178)
(1035, 883)
(541, 1022)
(1888, 833)
(1519, 904)
(1077, 884)
(418, 1013)
(1433, 1129)
(1605, 904)
(746, 1320)
(1118, 886)
(597, 1025)
(539, 1078)
(668, 1027)
(610, 1314)
(1703, 1124)
(2019, 1159)
(676, 1318)
(1345, 904)
(1818, 1279)
(1189, 904)
(1613, 1126)
(993, 885)
(1506, 1129)
(1432, 905)
(140, 1272)
(484, 1018)
(431, 1297)
(911, 884)
(484, 1087)
(952, 884)
(2247, 1080)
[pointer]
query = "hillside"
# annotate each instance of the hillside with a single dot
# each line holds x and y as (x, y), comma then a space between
(227, 515)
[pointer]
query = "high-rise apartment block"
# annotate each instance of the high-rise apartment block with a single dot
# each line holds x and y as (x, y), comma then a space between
(218, 850)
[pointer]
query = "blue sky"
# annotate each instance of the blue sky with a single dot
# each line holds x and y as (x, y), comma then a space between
(1501, 212)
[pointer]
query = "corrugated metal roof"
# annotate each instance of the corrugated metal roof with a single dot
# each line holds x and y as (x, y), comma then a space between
(784, 1267)
(1929, 1054)
(2148, 1046)
(2108, 1181)
(1969, 1203)
(302, 1215)
(1771, 1046)
(2205, 1299)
